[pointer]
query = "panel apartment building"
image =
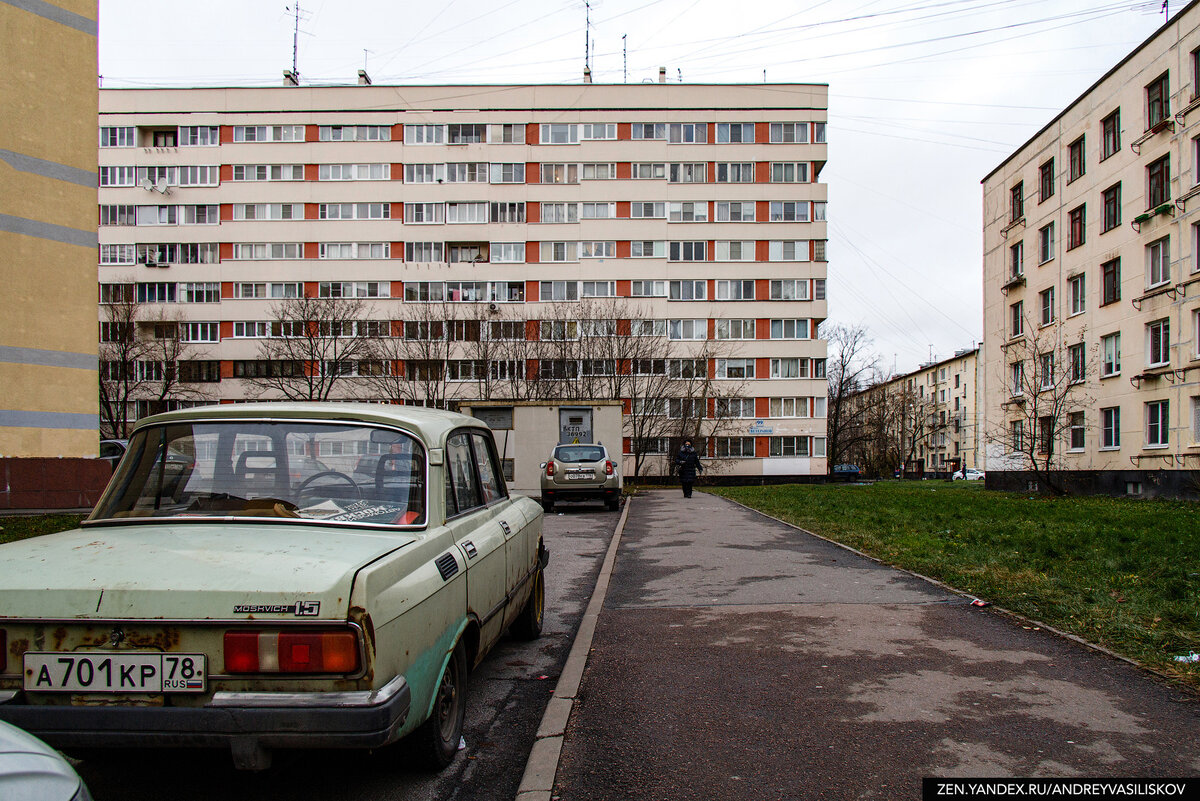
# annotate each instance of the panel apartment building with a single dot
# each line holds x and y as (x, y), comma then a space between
(1092, 281)
(664, 244)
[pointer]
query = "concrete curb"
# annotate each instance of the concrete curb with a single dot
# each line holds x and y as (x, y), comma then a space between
(537, 783)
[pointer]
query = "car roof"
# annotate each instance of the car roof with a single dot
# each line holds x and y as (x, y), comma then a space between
(431, 425)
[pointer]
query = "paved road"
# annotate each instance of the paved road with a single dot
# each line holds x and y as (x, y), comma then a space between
(508, 694)
(738, 658)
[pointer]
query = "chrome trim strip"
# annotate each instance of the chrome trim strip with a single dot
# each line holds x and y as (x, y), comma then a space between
(361, 698)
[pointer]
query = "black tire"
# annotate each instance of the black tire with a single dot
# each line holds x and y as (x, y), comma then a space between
(548, 505)
(528, 625)
(613, 504)
(435, 743)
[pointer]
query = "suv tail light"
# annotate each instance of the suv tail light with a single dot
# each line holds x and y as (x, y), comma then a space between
(550, 467)
(309, 651)
(608, 468)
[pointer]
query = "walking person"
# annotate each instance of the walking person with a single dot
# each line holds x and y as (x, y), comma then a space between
(687, 462)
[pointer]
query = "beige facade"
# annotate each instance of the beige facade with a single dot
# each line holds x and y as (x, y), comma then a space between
(48, 230)
(685, 215)
(1092, 258)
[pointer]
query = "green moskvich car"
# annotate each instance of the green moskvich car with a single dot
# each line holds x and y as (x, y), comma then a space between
(274, 575)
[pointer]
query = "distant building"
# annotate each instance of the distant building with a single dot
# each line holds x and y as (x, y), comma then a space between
(1092, 282)
(47, 254)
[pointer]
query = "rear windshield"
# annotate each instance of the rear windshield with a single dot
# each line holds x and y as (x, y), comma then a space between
(340, 473)
(579, 453)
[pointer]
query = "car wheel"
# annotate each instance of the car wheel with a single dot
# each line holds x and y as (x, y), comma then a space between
(435, 743)
(613, 504)
(548, 505)
(528, 625)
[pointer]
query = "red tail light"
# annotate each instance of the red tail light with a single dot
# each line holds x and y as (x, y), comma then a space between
(608, 468)
(550, 468)
(291, 652)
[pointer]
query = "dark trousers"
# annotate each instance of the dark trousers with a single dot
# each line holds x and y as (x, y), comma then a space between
(687, 487)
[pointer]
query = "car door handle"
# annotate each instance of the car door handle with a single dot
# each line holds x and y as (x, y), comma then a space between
(507, 530)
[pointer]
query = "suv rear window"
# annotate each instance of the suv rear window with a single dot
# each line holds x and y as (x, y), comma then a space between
(579, 453)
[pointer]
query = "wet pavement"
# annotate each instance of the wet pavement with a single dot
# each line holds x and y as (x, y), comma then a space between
(740, 658)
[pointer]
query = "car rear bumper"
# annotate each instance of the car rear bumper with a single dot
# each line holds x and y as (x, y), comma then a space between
(580, 493)
(245, 722)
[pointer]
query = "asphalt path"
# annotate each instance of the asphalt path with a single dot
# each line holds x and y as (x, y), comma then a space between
(739, 658)
(507, 695)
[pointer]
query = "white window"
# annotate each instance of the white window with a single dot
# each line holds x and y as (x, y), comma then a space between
(818, 210)
(354, 250)
(354, 172)
(559, 134)
(735, 329)
(789, 329)
(735, 368)
(643, 171)
(157, 215)
(199, 332)
(466, 212)
(788, 446)
(1045, 243)
(735, 290)
(687, 133)
(1195, 419)
(118, 215)
(355, 133)
(254, 329)
(733, 447)
(789, 172)
(598, 211)
(819, 138)
(423, 292)
(354, 289)
(1158, 262)
(268, 250)
(789, 132)
(687, 329)
(199, 176)
(268, 172)
(199, 135)
(735, 251)
(688, 251)
(735, 211)
(423, 251)
(689, 212)
(424, 134)
(506, 134)
(735, 172)
(424, 213)
(688, 173)
(123, 136)
(597, 250)
(599, 172)
(1110, 428)
(648, 289)
(735, 132)
(1157, 424)
(352, 211)
(639, 249)
(116, 176)
(736, 408)
(559, 251)
(1110, 345)
(206, 292)
(789, 211)
(599, 289)
(270, 211)
(508, 212)
(1158, 343)
(560, 173)
(648, 328)
(643, 210)
(507, 173)
(789, 289)
(559, 330)
(465, 134)
(598, 130)
(687, 290)
(157, 292)
(507, 252)
(471, 172)
(789, 407)
(560, 212)
(649, 130)
(1078, 290)
(424, 173)
(785, 368)
(268, 133)
(1047, 306)
(289, 289)
(464, 292)
(788, 250)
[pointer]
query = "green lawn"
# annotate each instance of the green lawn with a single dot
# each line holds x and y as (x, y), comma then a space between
(18, 528)
(1121, 573)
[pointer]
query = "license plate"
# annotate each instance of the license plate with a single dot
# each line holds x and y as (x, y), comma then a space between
(580, 476)
(111, 672)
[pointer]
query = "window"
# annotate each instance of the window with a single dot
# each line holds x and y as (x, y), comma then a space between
(643, 210)
(1110, 279)
(507, 252)
(1017, 434)
(1075, 424)
(1046, 181)
(1157, 424)
(247, 291)
(735, 329)
(688, 173)
(1045, 243)
(268, 133)
(735, 251)
(734, 447)
(465, 134)
(789, 329)
(735, 368)
(648, 328)
(786, 368)
(507, 330)
(1078, 291)
(355, 133)
(1110, 364)
(1110, 427)
(1016, 373)
(735, 133)
(789, 211)
(688, 290)
(1046, 371)
(118, 215)
(1016, 259)
(597, 250)
(354, 250)
(788, 407)
(1195, 419)
(598, 130)
(788, 446)
(559, 330)
(642, 171)
(295, 211)
(559, 251)
(206, 292)
(116, 176)
(1158, 343)
(648, 289)
(1076, 228)
(735, 211)
(687, 329)
(1046, 303)
(599, 172)
(199, 332)
(789, 172)
(788, 250)
(688, 251)
(508, 212)
(1158, 178)
(649, 130)
(124, 136)
(735, 173)
(558, 290)
(354, 172)
(1158, 103)
(1110, 132)
(559, 134)
(424, 213)
(268, 172)
(507, 173)
(789, 133)
(1045, 435)
(423, 251)
(507, 291)
(1078, 362)
(424, 134)
(466, 212)
(1112, 207)
(819, 138)
(641, 249)
(1016, 202)
(1158, 262)
(560, 173)
(789, 289)
(424, 173)
(560, 212)
(354, 289)
(689, 212)
(1075, 152)
(506, 134)
(1016, 319)
(472, 172)
(688, 133)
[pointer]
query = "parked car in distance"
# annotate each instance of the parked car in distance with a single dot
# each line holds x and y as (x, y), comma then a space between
(581, 472)
(30, 770)
(846, 472)
(111, 450)
(258, 588)
(968, 474)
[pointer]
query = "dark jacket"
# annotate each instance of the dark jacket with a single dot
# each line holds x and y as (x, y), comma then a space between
(687, 462)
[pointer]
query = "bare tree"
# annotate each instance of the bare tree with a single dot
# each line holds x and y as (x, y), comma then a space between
(315, 343)
(850, 367)
(415, 359)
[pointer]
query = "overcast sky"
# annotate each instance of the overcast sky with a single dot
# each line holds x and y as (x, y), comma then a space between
(925, 98)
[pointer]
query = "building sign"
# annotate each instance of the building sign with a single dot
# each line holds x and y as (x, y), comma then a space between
(761, 427)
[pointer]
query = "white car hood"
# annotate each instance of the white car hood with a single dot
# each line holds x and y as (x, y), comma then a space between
(182, 571)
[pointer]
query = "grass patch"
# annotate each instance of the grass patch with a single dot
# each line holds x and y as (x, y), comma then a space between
(1122, 573)
(19, 528)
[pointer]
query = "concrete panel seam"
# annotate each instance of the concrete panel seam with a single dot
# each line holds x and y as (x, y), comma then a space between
(50, 231)
(49, 169)
(55, 14)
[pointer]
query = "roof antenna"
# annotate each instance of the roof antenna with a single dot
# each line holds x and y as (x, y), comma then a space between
(587, 34)
(624, 59)
(295, 9)
(680, 75)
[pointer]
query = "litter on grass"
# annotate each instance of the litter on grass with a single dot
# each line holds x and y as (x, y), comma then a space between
(462, 743)
(1193, 657)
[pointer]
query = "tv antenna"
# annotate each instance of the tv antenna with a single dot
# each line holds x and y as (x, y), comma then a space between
(587, 34)
(295, 9)
(624, 59)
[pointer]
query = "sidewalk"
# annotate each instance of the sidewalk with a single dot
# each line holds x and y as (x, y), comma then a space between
(739, 658)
